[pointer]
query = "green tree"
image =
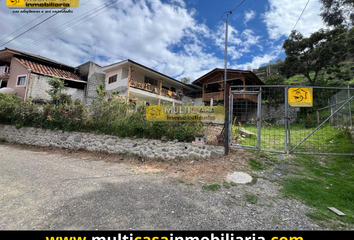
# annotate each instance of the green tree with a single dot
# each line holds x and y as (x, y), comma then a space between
(307, 56)
(186, 80)
(274, 80)
(338, 12)
(57, 86)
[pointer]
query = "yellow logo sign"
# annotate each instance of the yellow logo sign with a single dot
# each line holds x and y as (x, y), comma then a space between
(215, 114)
(155, 113)
(300, 97)
(42, 3)
(15, 2)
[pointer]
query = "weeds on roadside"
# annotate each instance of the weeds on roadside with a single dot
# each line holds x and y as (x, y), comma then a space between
(109, 115)
(251, 198)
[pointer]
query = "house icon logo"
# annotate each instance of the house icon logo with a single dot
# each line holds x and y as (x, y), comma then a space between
(15, 2)
(300, 96)
(155, 113)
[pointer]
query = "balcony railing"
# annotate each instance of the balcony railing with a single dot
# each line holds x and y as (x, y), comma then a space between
(215, 96)
(154, 89)
(4, 72)
(168, 93)
(218, 96)
(144, 86)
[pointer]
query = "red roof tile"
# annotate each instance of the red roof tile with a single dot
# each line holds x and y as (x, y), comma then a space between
(48, 70)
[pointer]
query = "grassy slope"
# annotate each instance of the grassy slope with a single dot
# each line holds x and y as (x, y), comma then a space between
(323, 182)
(328, 78)
(319, 181)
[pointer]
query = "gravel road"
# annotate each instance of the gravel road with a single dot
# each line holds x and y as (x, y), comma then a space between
(43, 189)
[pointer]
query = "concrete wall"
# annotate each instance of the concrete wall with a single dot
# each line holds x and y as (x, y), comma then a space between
(276, 112)
(109, 144)
(75, 93)
(38, 85)
(273, 113)
(92, 73)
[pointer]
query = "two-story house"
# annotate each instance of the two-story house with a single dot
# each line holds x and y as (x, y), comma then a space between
(212, 84)
(138, 82)
(26, 74)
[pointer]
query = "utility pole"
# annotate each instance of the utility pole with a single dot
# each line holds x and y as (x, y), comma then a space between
(226, 126)
(225, 57)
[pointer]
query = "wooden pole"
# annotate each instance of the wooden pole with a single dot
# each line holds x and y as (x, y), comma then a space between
(129, 77)
(160, 90)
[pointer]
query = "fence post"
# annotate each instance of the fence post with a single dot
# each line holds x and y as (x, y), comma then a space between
(259, 118)
(286, 106)
(226, 124)
(350, 110)
(336, 119)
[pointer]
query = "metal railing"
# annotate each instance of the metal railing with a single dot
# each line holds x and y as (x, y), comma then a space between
(271, 124)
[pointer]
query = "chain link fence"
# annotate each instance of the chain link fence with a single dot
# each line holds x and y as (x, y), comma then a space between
(263, 120)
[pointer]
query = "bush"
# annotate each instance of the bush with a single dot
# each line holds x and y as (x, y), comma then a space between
(67, 117)
(115, 117)
(8, 105)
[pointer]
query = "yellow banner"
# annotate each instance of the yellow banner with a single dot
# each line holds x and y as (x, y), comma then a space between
(214, 114)
(300, 97)
(42, 3)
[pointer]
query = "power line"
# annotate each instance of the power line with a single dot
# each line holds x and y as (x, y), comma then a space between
(74, 22)
(31, 28)
(22, 27)
(35, 20)
(238, 6)
(303, 10)
(230, 12)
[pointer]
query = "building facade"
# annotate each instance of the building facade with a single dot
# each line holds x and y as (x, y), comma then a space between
(137, 82)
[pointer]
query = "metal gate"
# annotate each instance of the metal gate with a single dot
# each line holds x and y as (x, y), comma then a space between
(262, 119)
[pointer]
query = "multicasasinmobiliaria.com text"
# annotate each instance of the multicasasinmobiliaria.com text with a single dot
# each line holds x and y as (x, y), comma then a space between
(171, 236)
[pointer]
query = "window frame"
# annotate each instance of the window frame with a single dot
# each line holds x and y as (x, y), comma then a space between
(116, 79)
(17, 79)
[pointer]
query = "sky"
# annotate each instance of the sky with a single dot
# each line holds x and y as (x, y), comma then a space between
(180, 38)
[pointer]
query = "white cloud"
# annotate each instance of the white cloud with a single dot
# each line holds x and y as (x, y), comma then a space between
(260, 60)
(249, 16)
(164, 35)
(147, 31)
(238, 42)
(281, 17)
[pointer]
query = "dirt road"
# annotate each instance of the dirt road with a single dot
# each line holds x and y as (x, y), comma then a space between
(44, 189)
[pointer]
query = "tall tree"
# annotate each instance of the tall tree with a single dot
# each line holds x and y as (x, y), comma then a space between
(324, 48)
(338, 12)
(186, 80)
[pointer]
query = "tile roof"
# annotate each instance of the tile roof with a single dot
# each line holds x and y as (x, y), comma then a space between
(48, 70)
(23, 53)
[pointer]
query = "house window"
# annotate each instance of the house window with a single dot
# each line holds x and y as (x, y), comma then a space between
(173, 89)
(151, 81)
(21, 81)
(112, 79)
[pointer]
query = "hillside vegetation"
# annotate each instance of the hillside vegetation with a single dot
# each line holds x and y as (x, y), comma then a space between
(338, 76)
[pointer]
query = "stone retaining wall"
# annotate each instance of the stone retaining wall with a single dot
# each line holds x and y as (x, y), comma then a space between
(109, 144)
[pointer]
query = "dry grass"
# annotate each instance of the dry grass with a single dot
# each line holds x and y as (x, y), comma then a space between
(205, 170)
